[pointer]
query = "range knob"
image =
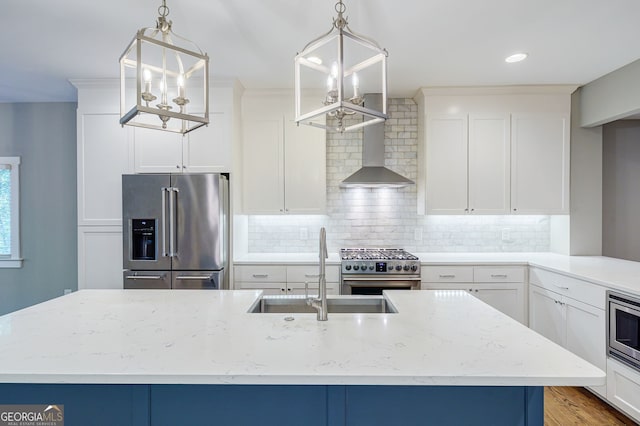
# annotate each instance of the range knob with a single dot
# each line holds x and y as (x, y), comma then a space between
(371, 267)
(414, 268)
(406, 267)
(356, 267)
(348, 267)
(398, 267)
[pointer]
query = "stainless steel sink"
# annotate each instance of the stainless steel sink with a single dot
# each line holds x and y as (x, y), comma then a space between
(335, 305)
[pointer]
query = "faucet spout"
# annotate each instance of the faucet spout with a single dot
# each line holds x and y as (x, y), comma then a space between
(320, 303)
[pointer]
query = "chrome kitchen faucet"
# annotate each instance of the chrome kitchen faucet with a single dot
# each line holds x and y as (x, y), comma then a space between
(320, 302)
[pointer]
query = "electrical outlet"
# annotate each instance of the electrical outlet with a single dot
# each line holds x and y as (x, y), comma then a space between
(67, 290)
(304, 233)
(417, 234)
(506, 235)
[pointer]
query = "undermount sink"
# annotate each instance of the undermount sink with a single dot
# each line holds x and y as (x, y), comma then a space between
(335, 305)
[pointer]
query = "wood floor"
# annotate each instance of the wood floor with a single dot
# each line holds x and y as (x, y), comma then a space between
(577, 406)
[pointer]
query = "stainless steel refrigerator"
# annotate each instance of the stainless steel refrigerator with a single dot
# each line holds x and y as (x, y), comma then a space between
(175, 231)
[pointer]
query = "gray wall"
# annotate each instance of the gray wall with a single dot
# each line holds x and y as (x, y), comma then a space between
(44, 136)
(586, 185)
(611, 97)
(621, 190)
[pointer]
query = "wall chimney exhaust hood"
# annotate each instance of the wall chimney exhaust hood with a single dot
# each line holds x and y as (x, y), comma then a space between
(373, 173)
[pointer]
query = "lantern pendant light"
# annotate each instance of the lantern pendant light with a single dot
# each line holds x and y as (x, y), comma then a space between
(344, 65)
(164, 80)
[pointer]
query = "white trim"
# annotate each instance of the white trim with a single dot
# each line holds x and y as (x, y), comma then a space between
(10, 263)
(13, 260)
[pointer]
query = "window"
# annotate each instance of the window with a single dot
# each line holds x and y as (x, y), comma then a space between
(9, 212)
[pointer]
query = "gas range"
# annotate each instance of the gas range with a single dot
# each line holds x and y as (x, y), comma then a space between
(378, 262)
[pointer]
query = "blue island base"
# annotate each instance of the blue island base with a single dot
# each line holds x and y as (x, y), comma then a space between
(312, 405)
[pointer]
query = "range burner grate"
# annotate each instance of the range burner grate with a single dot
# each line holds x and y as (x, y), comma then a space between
(375, 254)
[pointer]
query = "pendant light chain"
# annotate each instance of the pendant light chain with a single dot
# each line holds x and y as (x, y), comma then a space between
(340, 22)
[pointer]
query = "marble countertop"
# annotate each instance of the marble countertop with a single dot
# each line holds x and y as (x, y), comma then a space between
(207, 337)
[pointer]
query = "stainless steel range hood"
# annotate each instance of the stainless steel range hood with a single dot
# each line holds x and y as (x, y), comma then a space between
(373, 173)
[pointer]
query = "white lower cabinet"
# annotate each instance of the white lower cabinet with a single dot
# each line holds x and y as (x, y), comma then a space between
(577, 326)
(623, 388)
(284, 279)
(99, 257)
(499, 287)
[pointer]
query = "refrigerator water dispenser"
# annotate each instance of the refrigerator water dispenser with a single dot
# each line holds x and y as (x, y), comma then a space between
(144, 239)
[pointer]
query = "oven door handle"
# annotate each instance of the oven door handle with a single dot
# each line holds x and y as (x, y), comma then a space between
(388, 278)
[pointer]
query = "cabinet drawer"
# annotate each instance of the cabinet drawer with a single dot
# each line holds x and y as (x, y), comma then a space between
(583, 291)
(260, 273)
(310, 273)
(447, 274)
(276, 287)
(500, 274)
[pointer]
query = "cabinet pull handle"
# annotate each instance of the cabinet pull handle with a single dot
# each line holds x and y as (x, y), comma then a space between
(447, 275)
(498, 275)
(312, 275)
(560, 287)
(260, 275)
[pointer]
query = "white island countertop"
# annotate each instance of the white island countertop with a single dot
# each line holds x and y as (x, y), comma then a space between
(207, 337)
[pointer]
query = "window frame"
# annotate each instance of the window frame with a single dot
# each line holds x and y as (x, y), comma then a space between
(13, 260)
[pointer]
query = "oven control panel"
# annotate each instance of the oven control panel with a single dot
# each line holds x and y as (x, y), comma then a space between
(375, 267)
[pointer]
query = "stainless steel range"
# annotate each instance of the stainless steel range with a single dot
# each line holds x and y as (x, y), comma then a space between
(369, 271)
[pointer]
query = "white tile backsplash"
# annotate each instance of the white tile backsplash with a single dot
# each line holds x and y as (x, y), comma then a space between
(386, 217)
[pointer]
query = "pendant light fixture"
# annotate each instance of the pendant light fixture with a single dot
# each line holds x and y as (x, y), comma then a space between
(343, 65)
(164, 80)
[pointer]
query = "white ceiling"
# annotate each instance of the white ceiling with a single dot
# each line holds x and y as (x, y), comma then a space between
(430, 42)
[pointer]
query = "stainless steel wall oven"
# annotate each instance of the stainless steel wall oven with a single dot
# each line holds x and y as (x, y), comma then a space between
(624, 328)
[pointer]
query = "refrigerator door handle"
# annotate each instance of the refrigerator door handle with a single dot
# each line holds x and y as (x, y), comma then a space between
(173, 224)
(193, 277)
(145, 277)
(164, 192)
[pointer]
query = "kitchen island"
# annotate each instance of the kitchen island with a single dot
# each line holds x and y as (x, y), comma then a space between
(190, 357)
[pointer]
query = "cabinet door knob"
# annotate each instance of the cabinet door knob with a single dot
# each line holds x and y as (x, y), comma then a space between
(177, 166)
(184, 167)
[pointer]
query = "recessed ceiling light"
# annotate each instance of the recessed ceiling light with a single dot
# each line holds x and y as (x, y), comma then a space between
(315, 60)
(516, 57)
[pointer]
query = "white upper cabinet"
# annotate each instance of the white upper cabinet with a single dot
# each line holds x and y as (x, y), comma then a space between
(284, 165)
(540, 163)
(207, 149)
(495, 150)
(263, 158)
(446, 156)
(489, 168)
(305, 168)
(467, 160)
(156, 151)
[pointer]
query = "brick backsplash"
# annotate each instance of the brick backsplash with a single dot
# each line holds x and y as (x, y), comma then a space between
(386, 217)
